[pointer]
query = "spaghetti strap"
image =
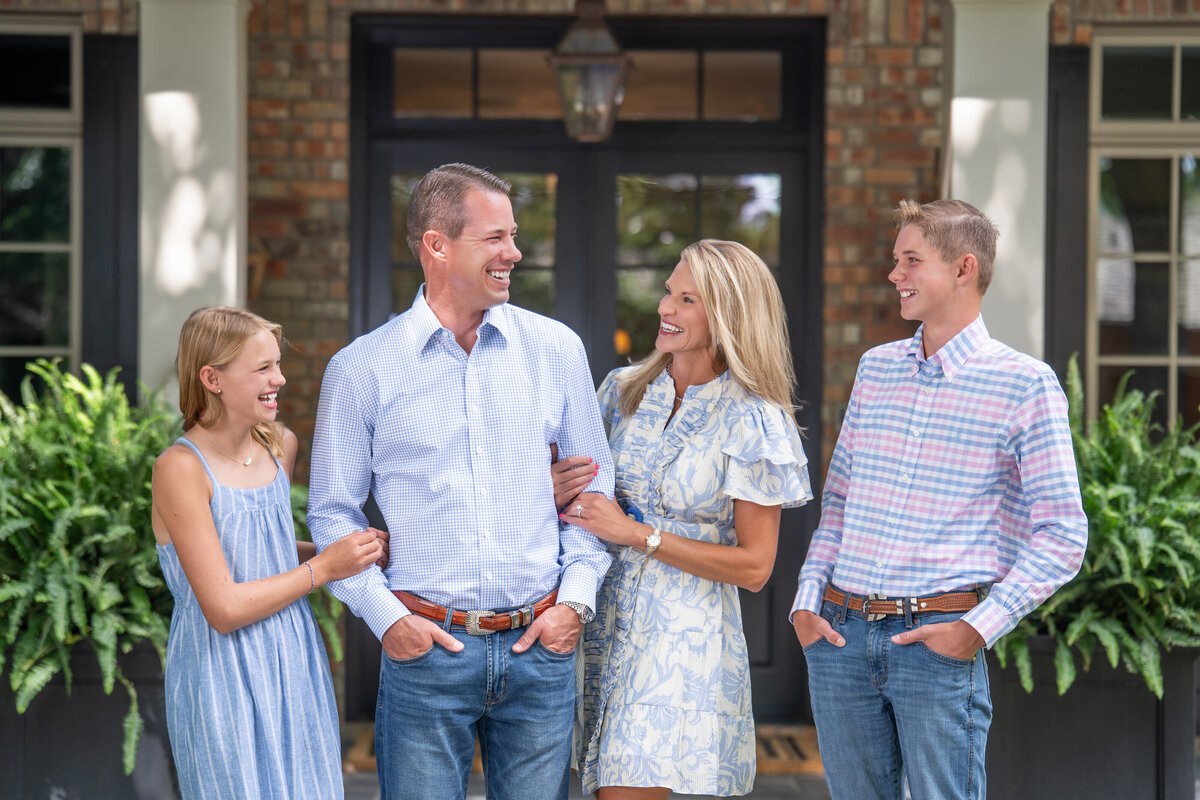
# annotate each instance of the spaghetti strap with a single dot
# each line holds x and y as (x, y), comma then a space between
(199, 455)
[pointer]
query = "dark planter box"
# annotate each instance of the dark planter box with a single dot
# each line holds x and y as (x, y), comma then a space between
(1108, 736)
(68, 747)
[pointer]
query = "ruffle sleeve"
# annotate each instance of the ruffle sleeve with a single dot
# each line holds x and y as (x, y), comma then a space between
(767, 464)
(609, 398)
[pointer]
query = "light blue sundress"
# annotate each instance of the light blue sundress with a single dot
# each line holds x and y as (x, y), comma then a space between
(251, 714)
(663, 678)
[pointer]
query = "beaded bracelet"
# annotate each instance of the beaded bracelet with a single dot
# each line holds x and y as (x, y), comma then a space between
(312, 581)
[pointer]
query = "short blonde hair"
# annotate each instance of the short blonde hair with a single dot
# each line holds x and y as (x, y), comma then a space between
(747, 322)
(213, 337)
(954, 228)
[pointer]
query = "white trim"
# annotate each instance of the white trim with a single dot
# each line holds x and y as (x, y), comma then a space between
(37, 120)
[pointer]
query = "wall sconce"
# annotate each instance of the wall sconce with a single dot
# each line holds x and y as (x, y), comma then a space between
(591, 68)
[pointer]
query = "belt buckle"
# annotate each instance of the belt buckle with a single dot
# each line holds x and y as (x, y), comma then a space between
(866, 607)
(473, 618)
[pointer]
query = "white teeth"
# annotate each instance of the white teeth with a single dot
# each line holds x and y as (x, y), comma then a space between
(907, 292)
(669, 328)
(270, 398)
(498, 274)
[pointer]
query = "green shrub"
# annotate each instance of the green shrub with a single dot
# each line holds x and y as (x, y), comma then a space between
(1138, 591)
(77, 555)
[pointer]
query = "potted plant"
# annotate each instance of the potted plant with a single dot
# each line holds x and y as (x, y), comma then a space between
(83, 604)
(1121, 635)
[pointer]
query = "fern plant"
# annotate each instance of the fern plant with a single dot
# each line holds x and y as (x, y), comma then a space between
(77, 560)
(1138, 591)
(77, 556)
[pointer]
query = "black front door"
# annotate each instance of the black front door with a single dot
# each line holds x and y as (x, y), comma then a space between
(600, 228)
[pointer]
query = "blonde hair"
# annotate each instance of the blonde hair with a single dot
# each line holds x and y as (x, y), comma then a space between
(747, 322)
(954, 228)
(214, 337)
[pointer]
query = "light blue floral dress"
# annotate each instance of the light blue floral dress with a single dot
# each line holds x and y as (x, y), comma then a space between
(664, 681)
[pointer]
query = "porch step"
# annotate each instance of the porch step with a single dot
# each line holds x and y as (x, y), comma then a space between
(781, 750)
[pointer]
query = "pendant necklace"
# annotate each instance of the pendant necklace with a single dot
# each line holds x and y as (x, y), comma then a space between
(249, 459)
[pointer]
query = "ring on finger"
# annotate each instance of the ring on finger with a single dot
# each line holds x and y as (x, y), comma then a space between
(579, 511)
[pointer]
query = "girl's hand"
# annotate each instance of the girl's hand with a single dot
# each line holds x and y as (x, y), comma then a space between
(571, 476)
(349, 555)
(383, 537)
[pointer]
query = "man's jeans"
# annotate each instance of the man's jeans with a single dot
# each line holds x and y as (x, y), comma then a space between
(431, 707)
(886, 711)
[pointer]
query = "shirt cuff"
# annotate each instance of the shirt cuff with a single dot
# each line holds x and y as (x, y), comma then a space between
(809, 597)
(577, 586)
(990, 619)
(381, 610)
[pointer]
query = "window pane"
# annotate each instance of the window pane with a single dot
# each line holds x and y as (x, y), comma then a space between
(533, 289)
(1136, 83)
(1189, 395)
(1189, 308)
(742, 85)
(661, 85)
(1189, 205)
(638, 294)
(656, 218)
(43, 63)
(517, 84)
(743, 208)
(405, 282)
(402, 186)
(35, 194)
(35, 297)
(1189, 106)
(1135, 197)
(1132, 300)
(12, 372)
(431, 82)
(1145, 379)
(535, 206)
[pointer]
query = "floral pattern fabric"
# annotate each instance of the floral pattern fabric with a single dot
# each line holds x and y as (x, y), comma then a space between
(664, 679)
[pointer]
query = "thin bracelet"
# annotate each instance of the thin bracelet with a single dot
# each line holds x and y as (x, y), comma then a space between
(312, 581)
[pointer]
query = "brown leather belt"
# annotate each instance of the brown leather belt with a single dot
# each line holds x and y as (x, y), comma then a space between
(876, 607)
(477, 623)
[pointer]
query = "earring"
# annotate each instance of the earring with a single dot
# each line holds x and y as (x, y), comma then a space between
(218, 391)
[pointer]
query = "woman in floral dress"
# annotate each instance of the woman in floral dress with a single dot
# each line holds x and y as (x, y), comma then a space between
(707, 452)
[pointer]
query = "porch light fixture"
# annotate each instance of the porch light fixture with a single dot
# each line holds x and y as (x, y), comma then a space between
(591, 67)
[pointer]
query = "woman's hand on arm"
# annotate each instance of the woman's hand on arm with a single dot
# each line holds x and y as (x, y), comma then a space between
(570, 476)
(747, 564)
(181, 494)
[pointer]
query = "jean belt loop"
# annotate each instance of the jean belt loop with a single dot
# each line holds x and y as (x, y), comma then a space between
(841, 617)
(908, 615)
(449, 617)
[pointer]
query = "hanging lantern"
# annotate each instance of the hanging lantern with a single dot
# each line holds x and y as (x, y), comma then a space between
(591, 68)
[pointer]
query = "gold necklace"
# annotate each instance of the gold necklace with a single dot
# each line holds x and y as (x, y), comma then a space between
(249, 459)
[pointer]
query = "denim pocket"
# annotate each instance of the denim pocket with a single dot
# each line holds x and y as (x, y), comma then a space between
(945, 659)
(810, 648)
(554, 653)
(404, 662)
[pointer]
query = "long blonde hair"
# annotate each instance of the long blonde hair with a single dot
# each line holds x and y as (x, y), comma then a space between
(213, 337)
(747, 322)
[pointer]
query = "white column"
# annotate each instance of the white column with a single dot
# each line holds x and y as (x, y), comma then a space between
(192, 166)
(998, 152)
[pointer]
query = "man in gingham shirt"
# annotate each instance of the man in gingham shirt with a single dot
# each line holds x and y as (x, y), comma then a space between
(446, 414)
(951, 510)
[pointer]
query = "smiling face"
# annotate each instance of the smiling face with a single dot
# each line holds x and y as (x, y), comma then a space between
(683, 322)
(927, 284)
(472, 273)
(251, 382)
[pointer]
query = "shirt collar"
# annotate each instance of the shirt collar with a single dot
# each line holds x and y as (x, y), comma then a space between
(426, 323)
(954, 354)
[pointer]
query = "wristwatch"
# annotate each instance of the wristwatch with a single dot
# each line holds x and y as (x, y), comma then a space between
(652, 542)
(585, 613)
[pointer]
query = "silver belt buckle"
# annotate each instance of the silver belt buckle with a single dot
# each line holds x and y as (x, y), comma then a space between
(473, 618)
(867, 601)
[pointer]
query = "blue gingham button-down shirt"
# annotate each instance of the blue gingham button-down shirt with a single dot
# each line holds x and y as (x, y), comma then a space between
(455, 449)
(950, 472)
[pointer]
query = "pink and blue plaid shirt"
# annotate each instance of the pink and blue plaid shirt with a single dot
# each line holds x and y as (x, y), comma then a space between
(951, 472)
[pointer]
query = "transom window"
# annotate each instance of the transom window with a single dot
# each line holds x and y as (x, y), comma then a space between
(1144, 253)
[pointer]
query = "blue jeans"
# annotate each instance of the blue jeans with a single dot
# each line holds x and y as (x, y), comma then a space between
(886, 711)
(431, 708)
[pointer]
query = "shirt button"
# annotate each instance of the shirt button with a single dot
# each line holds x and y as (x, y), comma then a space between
(487, 575)
(916, 432)
(479, 450)
(482, 490)
(904, 477)
(485, 534)
(879, 564)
